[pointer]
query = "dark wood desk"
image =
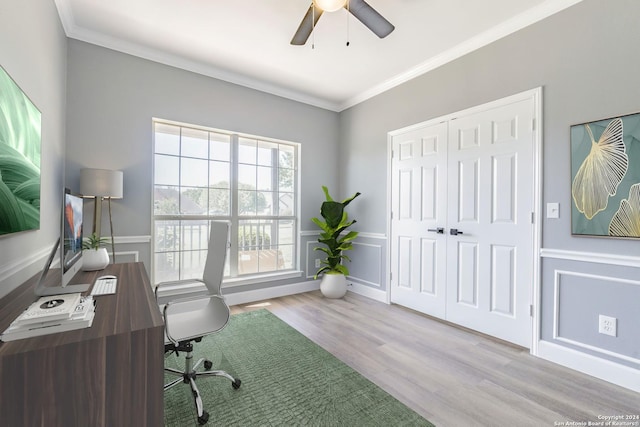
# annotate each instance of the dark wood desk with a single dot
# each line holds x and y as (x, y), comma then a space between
(110, 374)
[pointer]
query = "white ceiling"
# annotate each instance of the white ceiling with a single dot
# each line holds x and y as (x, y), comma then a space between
(247, 42)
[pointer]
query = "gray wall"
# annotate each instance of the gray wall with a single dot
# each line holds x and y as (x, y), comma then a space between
(112, 98)
(33, 51)
(585, 58)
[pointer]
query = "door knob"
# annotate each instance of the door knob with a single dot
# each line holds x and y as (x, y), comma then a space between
(438, 230)
(455, 232)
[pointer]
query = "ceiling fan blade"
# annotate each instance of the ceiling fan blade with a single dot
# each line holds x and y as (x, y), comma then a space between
(370, 18)
(306, 26)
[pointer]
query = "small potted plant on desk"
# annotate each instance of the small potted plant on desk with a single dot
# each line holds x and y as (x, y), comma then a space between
(95, 255)
(334, 281)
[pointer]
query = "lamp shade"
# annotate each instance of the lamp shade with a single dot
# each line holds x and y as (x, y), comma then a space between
(330, 5)
(101, 183)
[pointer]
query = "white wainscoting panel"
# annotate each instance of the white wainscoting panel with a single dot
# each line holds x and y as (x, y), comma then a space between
(557, 307)
(376, 250)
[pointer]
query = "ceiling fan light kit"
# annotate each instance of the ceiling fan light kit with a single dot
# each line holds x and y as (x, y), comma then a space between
(330, 5)
(358, 8)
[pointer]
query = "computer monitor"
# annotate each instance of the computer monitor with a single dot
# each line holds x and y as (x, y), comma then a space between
(70, 251)
(72, 235)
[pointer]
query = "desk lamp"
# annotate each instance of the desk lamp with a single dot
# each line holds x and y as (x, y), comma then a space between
(101, 184)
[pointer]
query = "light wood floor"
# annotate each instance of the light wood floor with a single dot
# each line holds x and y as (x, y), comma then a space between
(449, 375)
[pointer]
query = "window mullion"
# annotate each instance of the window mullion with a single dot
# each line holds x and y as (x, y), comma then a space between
(180, 224)
(235, 223)
(275, 179)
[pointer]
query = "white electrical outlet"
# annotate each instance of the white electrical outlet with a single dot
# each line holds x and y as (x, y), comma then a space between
(317, 263)
(608, 325)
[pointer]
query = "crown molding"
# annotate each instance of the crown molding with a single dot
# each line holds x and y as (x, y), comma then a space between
(155, 55)
(544, 10)
(504, 29)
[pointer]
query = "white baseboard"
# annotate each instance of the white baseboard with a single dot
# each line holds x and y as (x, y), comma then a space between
(368, 291)
(604, 369)
(244, 297)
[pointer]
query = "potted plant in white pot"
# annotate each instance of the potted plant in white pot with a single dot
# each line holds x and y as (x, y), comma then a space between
(94, 255)
(335, 222)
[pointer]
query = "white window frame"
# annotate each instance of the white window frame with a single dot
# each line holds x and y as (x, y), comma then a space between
(234, 279)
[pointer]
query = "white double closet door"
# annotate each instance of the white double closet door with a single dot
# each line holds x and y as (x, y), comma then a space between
(462, 238)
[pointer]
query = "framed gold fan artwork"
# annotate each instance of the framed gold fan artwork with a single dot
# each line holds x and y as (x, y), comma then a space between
(605, 177)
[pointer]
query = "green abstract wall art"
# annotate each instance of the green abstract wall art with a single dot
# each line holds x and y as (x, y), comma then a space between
(20, 127)
(605, 177)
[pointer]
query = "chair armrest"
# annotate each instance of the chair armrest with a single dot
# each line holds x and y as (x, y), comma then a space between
(174, 283)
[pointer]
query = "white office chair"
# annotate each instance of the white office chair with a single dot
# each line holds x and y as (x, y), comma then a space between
(189, 319)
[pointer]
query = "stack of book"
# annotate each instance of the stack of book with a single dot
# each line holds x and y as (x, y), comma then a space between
(52, 314)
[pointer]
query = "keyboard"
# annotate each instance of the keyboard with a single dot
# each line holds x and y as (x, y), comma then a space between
(105, 285)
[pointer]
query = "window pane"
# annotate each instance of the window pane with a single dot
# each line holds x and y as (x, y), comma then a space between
(254, 234)
(165, 200)
(166, 170)
(166, 266)
(265, 203)
(286, 205)
(219, 173)
(167, 236)
(167, 139)
(219, 202)
(268, 260)
(287, 254)
(285, 179)
(266, 153)
(286, 156)
(192, 264)
(247, 202)
(265, 178)
(254, 237)
(286, 232)
(194, 172)
(246, 177)
(219, 146)
(195, 143)
(195, 235)
(247, 262)
(247, 151)
(193, 201)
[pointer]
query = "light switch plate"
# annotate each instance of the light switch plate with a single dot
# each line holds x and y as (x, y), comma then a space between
(553, 210)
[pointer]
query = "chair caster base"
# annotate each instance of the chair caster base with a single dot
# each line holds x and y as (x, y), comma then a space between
(204, 418)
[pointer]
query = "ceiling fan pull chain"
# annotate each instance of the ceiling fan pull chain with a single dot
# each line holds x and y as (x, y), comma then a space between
(313, 26)
(348, 13)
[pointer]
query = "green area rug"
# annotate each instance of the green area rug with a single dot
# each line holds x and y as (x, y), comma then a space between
(287, 380)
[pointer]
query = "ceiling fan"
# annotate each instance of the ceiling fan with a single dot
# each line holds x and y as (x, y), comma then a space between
(358, 8)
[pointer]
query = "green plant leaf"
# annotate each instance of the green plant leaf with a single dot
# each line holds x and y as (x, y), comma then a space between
(345, 202)
(332, 212)
(95, 242)
(326, 193)
(342, 269)
(321, 224)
